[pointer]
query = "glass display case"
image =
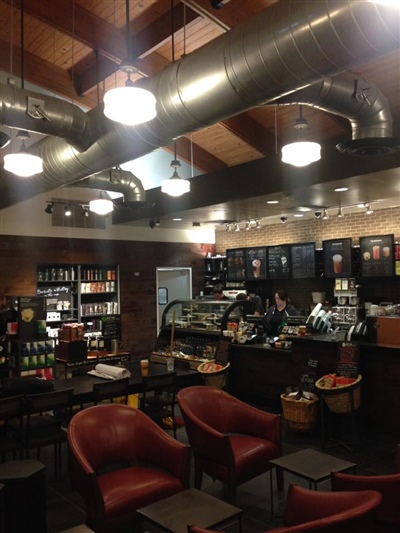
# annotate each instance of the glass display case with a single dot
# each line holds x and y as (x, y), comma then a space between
(191, 329)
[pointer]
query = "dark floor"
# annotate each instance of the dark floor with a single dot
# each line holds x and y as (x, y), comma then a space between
(373, 454)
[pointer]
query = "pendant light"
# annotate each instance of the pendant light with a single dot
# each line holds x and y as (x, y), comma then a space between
(129, 105)
(175, 185)
(103, 205)
(22, 163)
(301, 152)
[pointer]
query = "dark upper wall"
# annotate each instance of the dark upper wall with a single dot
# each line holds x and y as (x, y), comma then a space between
(19, 257)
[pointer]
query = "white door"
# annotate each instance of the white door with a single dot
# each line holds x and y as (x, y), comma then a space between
(172, 284)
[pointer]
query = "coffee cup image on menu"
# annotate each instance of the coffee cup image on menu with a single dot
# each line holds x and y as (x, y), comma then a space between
(386, 251)
(256, 264)
(376, 253)
(27, 314)
(337, 260)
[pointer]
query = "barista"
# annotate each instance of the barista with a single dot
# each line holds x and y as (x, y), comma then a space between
(218, 292)
(278, 314)
(254, 306)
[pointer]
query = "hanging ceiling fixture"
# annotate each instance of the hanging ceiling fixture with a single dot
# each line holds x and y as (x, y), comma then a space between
(301, 152)
(175, 185)
(103, 205)
(67, 210)
(129, 105)
(22, 163)
(369, 210)
(340, 213)
(49, 209)
(325, 215)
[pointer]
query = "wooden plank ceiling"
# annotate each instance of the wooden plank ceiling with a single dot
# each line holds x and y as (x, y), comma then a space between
(73, 48)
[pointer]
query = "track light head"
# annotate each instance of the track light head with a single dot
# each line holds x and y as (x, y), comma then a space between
(49, 209)
(67, 210)
(283, 219)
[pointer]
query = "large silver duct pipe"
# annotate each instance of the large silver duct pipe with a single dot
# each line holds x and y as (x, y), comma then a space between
(116, 180)
(31, 111)
(292, 44)
(358, 100)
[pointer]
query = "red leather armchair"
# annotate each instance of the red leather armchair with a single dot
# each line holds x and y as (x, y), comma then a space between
(325, 512)
(104, 437)
(231, 440)
(388, 515)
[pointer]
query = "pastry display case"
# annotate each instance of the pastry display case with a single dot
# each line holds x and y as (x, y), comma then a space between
(191, 329)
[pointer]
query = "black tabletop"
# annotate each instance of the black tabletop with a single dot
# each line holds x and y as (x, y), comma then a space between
(83, 384)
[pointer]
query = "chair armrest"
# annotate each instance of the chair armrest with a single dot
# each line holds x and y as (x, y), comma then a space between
(160, 449)
(249, 420)
(209, 442)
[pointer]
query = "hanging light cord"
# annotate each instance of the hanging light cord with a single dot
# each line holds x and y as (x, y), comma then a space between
(22, 45)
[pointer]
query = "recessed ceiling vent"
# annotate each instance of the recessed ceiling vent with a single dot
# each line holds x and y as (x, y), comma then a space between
(369, 147)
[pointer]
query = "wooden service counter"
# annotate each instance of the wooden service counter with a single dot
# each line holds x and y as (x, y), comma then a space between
(259, 374)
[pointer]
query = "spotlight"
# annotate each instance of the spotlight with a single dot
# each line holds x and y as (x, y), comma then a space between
(283, 219)
(340, 213)
(49, 209)
(67, 210)
(369, 210)
(318, 214)
(247, 227)
(325, 215)
(258, 224)
(228, 228)
(237, 228)
(85, 211)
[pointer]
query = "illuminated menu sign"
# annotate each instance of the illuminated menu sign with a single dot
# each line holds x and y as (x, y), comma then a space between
(377, 256)
(256, 263)
(337, 258)
(236, 265)
(278, 261)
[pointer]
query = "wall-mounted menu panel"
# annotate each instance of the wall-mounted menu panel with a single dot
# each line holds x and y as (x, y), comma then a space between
(278, 261)
(256, 263)
(377, 256)
(236, 264)
(337, 258)
(303, 260)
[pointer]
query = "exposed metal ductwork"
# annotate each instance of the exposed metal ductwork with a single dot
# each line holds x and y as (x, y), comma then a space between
(117, 180)
(293, 44)
(358, 100)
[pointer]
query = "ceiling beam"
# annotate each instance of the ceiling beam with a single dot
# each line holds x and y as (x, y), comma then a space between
(145, 42)
(202, 159)
(252, 132)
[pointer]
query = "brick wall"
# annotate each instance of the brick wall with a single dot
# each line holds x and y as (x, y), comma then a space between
(356, 225)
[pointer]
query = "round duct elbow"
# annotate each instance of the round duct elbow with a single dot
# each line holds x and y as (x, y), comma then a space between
(369, 147)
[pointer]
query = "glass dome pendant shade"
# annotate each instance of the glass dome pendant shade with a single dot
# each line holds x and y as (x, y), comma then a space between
(101, 206)
(302, 152)
(130, 105)
(175, 185)
(22, 163)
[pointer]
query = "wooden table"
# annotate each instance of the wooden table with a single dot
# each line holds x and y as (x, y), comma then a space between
(83, 384)
(190, 507)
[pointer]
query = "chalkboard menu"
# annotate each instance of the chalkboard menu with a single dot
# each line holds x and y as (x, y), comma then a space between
(303, 260)
(57, 296)
(236, 264)
(256, 263)
(337, 258)
(223, 349)
(278, 261)
(111, 327)
(377, 256)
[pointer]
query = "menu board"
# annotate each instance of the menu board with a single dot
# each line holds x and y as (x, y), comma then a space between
(337, 258)
(278, 261)
(377, 256)
(303, 260)
(397, 259)
(236, 265)
(256, 263)
(111, 327)
(348, 360)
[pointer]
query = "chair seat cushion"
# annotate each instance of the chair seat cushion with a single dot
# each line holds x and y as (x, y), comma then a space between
(129, 489)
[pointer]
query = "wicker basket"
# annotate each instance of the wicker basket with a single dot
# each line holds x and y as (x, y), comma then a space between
(300, 415)
(338, 399)
(214, 379)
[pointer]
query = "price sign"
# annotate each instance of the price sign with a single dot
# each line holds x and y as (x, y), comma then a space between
(348, 360)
